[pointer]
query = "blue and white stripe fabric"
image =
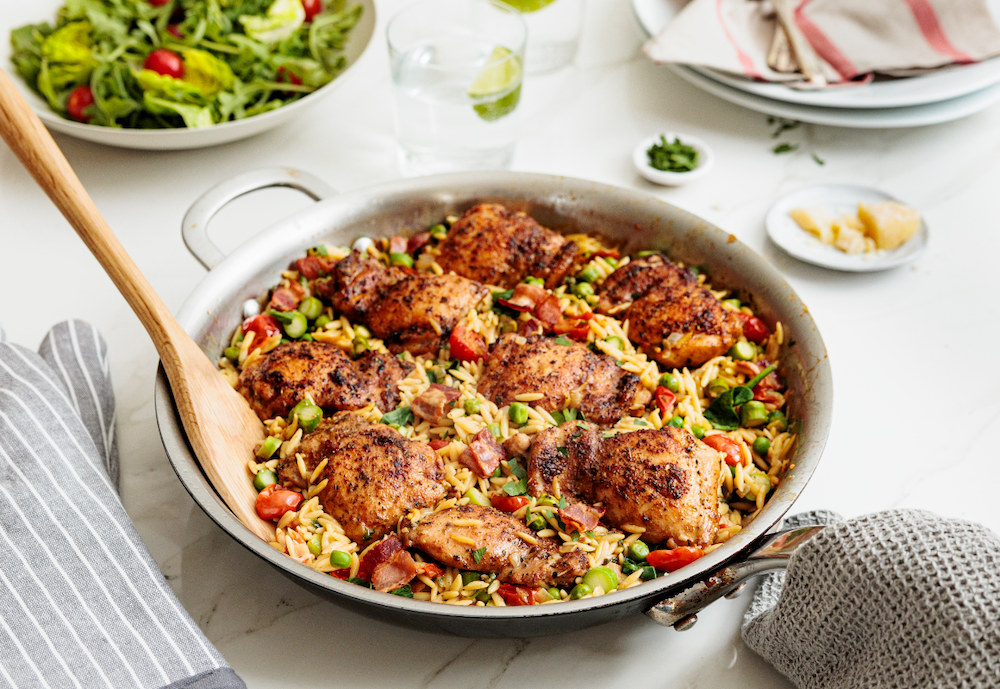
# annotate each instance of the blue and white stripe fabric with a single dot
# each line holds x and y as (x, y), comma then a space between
(82, 603)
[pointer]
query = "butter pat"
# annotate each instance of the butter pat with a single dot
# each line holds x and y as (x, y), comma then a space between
(889, 223)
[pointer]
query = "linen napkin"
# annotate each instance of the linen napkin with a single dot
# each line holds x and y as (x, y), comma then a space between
(896, 600)
(82, 603)
(852, 38)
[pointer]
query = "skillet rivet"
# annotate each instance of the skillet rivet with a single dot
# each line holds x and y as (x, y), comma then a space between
(736, 591)
(686, 623)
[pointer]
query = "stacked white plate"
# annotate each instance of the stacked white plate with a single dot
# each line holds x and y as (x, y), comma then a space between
(940, 96)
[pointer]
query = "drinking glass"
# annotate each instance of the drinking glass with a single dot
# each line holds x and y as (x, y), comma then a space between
(457, 67)
(554, 28)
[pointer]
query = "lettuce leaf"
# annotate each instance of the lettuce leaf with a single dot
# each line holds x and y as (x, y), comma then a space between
(164, 86)
(206, 72)
(67, 52)
(284, 18)
(194, 116)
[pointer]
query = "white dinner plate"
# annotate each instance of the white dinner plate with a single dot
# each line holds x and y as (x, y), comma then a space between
(839, 199)
(934, 87)
(38, 11)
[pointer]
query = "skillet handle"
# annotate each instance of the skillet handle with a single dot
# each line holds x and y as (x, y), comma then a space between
(680, 610)
(194, 227)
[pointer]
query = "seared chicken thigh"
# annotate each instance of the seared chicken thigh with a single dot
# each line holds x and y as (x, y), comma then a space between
(374, 475)
(666, 481)
(495, 246)
(555, 370)
(290, 372)
(452, 537)
(672, 318)
(357, 282)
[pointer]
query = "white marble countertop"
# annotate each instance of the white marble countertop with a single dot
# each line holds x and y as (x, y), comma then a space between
(917, 405)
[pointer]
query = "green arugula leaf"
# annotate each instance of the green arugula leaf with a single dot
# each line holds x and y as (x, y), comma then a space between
(516, 468)
(359, 581)
(398, 417)
(564, 341)
(563, 451)
(722, 411)
(405, 591)
(562, 504)
(513, 488)
(478, 554)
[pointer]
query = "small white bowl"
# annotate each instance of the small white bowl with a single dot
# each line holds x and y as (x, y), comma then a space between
(673, 179)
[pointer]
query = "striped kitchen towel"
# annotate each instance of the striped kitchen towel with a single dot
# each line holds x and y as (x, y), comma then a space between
(852, 38)
(82, 603)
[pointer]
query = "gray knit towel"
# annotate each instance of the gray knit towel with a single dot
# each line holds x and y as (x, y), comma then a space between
(82, 603)
(902, 599)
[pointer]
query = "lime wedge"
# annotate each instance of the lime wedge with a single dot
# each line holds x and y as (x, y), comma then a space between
(501, 77)
(526, 6)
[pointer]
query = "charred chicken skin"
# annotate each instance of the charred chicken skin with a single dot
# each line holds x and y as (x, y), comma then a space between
(454, 536)
(292, 371)
(673, 319)
(374, 475)
(666, 480)
(495, 246)
(555, 370)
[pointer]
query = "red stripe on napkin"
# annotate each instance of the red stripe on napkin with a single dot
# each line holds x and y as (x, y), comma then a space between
(930, 27)
(823, 45)
(744, 59)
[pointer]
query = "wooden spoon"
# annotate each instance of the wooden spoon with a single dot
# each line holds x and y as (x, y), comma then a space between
(220, 426)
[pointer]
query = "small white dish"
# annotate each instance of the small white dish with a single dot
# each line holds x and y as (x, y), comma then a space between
(838, 198)
(672, 179)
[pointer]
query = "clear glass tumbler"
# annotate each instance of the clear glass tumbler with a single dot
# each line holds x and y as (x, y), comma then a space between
(554, 28)
(457, 67)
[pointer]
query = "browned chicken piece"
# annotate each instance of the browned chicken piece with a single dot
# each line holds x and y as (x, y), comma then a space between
(374, 475)
(290, 372)
(673, 319)
(356, 284)
(418, 313)
(452, 537)
(666, 481)
(541, 365)
(493, 245)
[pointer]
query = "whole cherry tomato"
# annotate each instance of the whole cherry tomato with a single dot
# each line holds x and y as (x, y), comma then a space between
(274, 501)
(165, 62)
(466, 345)
(672, 560)
(508, 503)
(79, 100)
(312, 8)
(755, 329)
(727, 446)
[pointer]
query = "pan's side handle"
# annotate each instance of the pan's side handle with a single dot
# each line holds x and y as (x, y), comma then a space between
(680, 610)
(194, 227)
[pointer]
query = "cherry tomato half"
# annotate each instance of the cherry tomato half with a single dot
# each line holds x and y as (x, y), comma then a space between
(727, 446)
(672, 560)
(466, 345)
(264, 327)
(274, 501)
(79, 100)
(175, 30)
(665, 401)
(518, 595)
(158, 3)
(432, 570)
(755, 329)
(165, 62)
(508, 503)
(312, 8)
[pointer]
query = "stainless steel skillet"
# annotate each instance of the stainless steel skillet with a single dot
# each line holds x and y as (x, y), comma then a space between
(637, 221)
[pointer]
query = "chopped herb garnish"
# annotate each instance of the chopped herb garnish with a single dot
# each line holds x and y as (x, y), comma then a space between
(564, 341)
(607, 435)
(500, 308)
(791, 343)
(398, 417)
(563, 451)
(722, 411)
(320, 250)
(513, 488)
(431, 377)
(583, 425)
(558, 417)
(570, 414)
(819, 161)
(562, 502)
(785, 148)
(405, 591)
(641, 422)
(672, 157)
(516, 468)
(783, 126)
(359, 581)
(477, 555)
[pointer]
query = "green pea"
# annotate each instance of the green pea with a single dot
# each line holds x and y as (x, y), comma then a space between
(469, 577)
(359, 346)
(583, 289)
(638, 551)
(761, 445)
(311, 308)
(518, 413)
(307, 338)
(269, 447)
(589, 274)
(340, 560)
(753, 414)
(698, 431)
(439, 231)
(554, 592)
(536, 521)
(404, 260)
(232, 353)
(579, 591)
(735, 303)
(670, 382)
(644, 254)
(476, 497)
(611, 261)
(779, 421)
(494, 428)
(535, 281)
(264, 478)
(743, 351)
(315, 544)
(309, 415)
(615, 342)
(322, 321)
(716, 387)
(471, 407)
(676, 422)
(602, 577)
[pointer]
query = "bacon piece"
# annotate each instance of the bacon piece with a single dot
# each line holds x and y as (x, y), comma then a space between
(483, 455)
(288, 297)
(378, 554)
(314, 266)
(548, 311)
(581, 516)
(532, 326)
(399, 569)
(438, 444)
(397, 245)
(417, 241)
(525, 297)
(432, 404)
